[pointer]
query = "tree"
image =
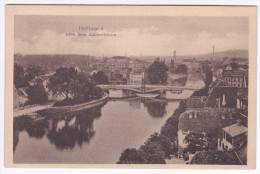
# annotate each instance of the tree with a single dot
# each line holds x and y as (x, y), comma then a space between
(131, 156)
(32, 72)
(163, 141)
(181, 69)
(152, 153)
(157, 72)
(63, 81)
(19, 76)
(100, 77)
(209, 76)
(70, 81)
(37, 94)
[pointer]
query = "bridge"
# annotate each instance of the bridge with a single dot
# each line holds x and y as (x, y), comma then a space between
(149, 88)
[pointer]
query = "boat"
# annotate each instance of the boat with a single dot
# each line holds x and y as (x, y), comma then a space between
(147, 95)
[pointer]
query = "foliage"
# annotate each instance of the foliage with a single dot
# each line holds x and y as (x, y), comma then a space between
(181, 69)
(196, 142)
(100, 77)
(37, 94)
(163, 141)
(209, 74)
(131, 156)
(22, 76)
(19, 76)
(70, 81)
(152, 153)
(157, 72)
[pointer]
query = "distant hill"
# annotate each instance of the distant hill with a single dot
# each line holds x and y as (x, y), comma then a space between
(221, 55)
(53, 62)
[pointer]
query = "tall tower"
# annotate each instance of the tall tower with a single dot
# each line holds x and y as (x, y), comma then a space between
(174, 53)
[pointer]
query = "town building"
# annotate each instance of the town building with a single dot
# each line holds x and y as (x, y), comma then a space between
(232, 136)
(237, 78)
(204, 121)
(136, 78)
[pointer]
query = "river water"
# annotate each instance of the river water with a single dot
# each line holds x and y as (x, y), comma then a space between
(96, 136)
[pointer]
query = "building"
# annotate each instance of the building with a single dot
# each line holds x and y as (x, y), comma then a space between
(232, 136)
(136, 78)
(204, 121)
(237, 78)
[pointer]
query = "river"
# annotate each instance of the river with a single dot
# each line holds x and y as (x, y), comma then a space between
(96, 136)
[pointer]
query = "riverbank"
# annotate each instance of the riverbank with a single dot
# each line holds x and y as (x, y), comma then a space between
(30, 110)
(72, 108)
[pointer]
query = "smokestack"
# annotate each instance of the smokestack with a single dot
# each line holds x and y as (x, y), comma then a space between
(174, 55)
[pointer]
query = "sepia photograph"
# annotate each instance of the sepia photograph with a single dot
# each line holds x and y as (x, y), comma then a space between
(131, 88)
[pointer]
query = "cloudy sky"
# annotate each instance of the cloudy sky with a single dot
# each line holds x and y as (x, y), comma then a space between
(146, 36)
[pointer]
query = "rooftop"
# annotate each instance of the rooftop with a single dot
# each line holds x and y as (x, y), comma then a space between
(235, 129)
(196, 102)
(204, 121)
(226, 94)
(233, 73)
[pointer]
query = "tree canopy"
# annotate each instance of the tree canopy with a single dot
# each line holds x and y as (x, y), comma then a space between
(37, 94)
(157, 72)
(69, 81)
(100, 77)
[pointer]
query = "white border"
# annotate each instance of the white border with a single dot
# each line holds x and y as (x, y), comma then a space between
(117, 171)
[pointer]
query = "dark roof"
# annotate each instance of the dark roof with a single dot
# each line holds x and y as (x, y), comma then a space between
(218, 92)
(205, 121)
(216, 157)
(233, 73)
(196, 102)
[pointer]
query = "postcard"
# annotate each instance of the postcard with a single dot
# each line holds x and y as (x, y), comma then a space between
(130, 86)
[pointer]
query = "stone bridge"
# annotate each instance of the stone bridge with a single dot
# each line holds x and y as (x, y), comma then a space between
(149, 88)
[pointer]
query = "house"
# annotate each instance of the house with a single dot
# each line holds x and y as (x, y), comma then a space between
(136, 78)
(237, 78)
(232, 136)
(207, 122)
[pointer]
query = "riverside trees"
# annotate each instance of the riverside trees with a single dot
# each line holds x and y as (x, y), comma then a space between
(76, 86)
(157, 72)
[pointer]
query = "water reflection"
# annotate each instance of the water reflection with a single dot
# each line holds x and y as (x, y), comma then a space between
(155, 107)
(64, 131)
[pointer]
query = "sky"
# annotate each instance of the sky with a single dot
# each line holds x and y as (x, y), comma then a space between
(135, 36)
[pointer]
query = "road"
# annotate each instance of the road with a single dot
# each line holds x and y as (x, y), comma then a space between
(27, 111)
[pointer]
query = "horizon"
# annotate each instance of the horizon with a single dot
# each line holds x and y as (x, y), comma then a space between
(140, 36)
